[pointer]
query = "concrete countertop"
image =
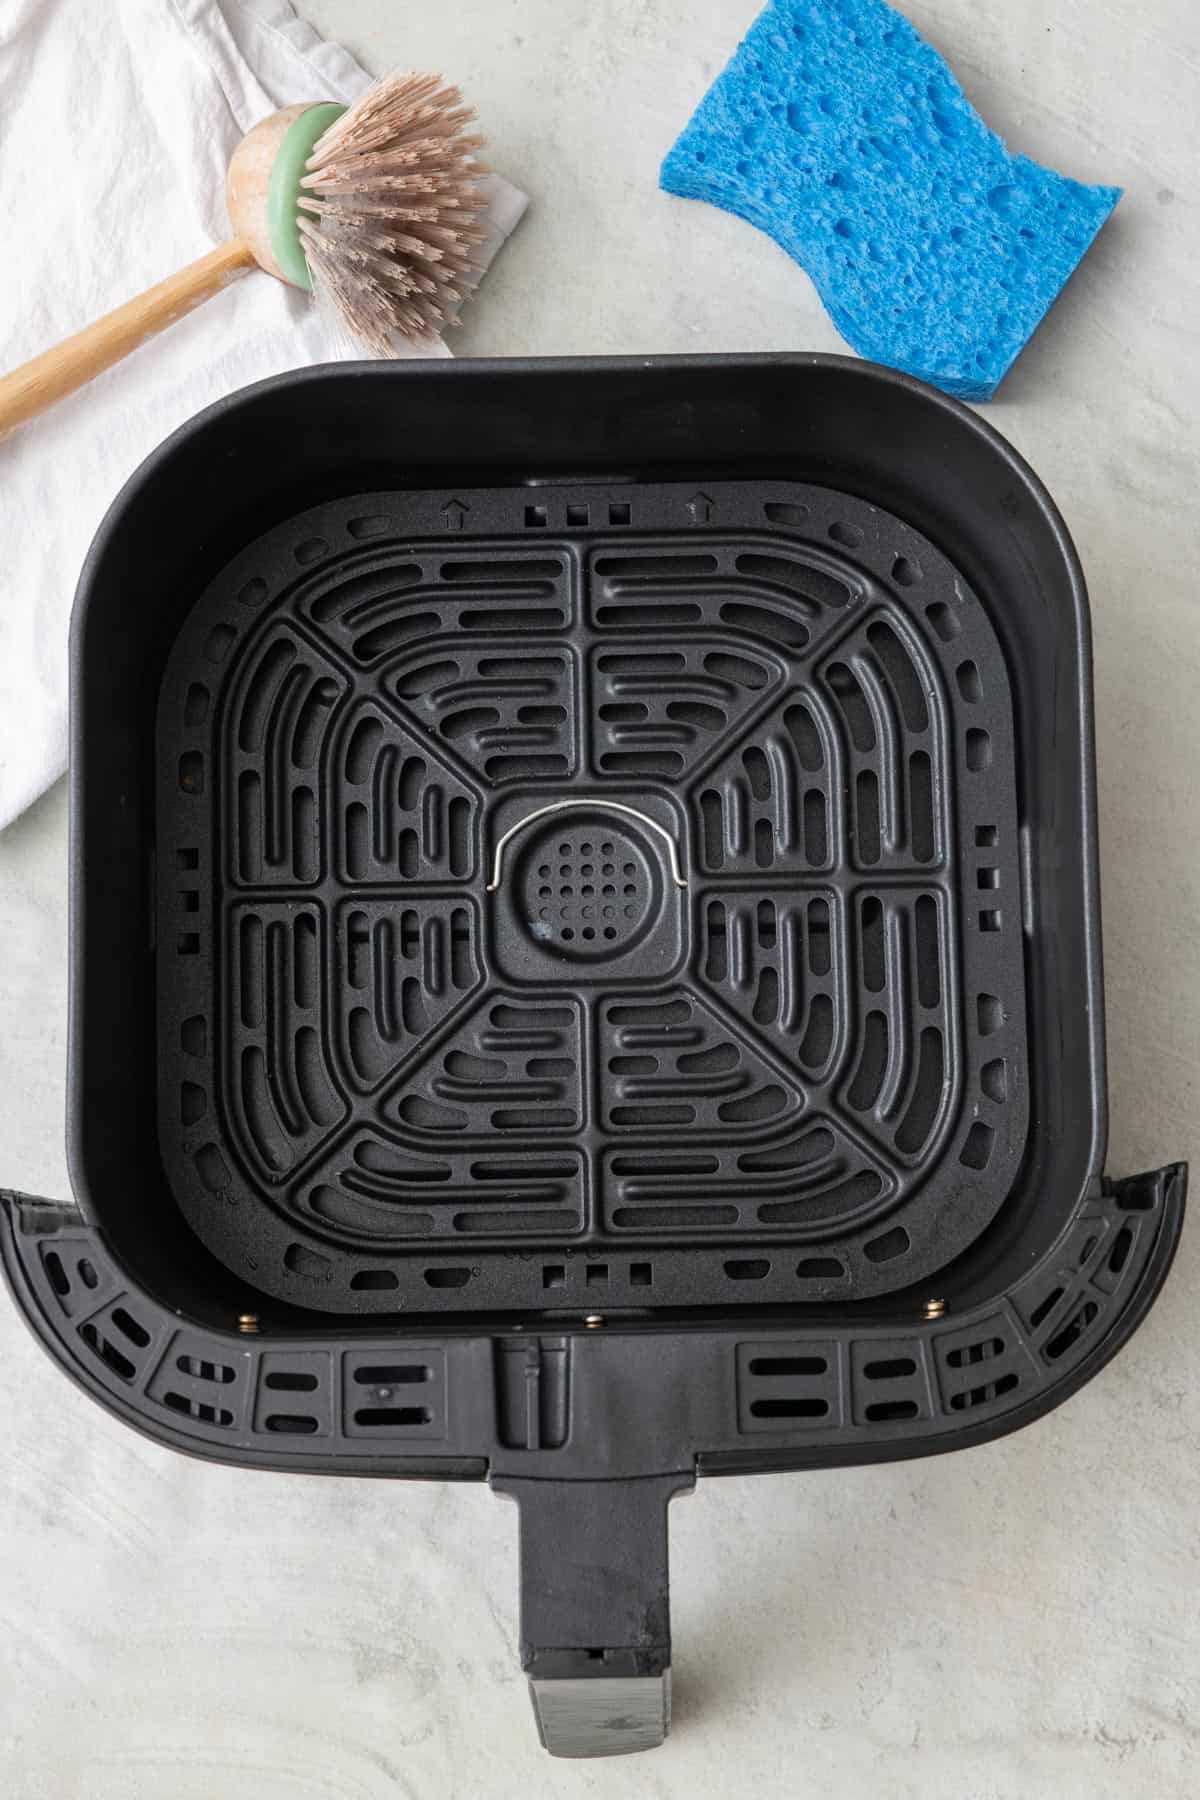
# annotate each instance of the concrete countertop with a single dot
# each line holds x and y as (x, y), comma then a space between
(1013, 1622)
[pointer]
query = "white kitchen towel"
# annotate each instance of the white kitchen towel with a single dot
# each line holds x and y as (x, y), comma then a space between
(117, 122)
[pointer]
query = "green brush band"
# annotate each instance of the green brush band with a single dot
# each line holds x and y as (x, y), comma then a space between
(283, 189)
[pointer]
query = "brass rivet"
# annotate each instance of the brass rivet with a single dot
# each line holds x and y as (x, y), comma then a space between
(594, 1321)
(247, 1322)
(934, 1309)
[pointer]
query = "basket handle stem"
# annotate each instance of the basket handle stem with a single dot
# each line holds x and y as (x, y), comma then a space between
(595, 1610)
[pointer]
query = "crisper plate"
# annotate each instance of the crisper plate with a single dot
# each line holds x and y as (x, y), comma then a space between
(574, 895)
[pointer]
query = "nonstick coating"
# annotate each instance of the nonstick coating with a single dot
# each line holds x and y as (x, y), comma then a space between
(553, 435)
(614, 889)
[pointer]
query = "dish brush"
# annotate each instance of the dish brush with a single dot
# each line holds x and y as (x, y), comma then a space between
(375, 207)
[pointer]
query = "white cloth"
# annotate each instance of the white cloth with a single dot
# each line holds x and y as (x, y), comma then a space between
(117, 122)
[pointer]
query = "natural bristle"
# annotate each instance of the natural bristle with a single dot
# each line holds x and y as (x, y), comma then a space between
(388, 211)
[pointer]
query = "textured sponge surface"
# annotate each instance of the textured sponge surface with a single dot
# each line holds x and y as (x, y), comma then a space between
(839, 131)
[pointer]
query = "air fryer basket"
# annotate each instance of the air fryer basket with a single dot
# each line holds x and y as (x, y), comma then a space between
(591, 867)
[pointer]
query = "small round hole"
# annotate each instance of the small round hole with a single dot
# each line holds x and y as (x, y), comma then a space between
(607, 849)
(568, 934)
(589, 931)
(610, 931)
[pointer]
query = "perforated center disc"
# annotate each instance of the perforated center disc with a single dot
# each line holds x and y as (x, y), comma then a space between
(609, 900)
(587, 889)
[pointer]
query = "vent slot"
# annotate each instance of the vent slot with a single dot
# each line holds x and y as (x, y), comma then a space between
(788, 1365)
(59, 1279)
(820, 1268)
(883, 1411)
(1046, 1306)
(890, 1368)
(199, 1368)
(887, 1247)
(1118, 1256)
(374, 1280)
(968, 1355)
(129, 1327)
(789, 1409)
(204, 1411)
(977, 1146)
(391, 1374)
(392, 1418)
(1070, 1334)
(983, 1396)
(107, 1351)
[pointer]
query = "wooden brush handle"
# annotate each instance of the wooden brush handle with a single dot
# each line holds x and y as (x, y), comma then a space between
(48, 378)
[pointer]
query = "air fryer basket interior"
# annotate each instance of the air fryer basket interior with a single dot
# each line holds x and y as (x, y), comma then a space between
(837, 425)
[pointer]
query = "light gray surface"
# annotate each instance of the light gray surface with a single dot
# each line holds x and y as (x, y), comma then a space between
(1010, 1623)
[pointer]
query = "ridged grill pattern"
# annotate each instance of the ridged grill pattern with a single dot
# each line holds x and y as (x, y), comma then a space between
(816, 1039)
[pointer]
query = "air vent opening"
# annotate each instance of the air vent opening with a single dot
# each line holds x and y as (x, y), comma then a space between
(1071, 1333)
(292, 1424)
(885, 1411)
(784, 1408)
(391, 1374)
(384, 1418)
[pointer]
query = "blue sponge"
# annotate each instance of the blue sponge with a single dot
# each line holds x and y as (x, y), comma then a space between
(843, 134)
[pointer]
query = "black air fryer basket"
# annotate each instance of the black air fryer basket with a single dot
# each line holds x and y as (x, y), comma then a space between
(586, 959)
